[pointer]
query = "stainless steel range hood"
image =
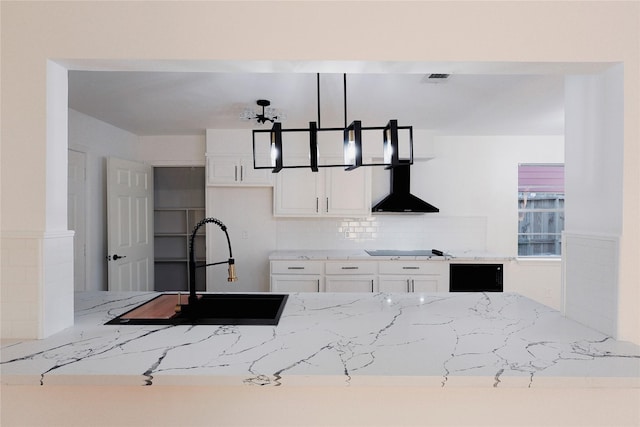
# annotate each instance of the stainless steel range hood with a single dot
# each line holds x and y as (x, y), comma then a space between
(400, 199)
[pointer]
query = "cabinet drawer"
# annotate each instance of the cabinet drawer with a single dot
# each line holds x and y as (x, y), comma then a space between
(296, 267)
(350, 283)
(295, 283)
(410, 267)
(355, 267)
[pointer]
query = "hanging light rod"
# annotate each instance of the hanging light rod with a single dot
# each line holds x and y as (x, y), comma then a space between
(351, 139)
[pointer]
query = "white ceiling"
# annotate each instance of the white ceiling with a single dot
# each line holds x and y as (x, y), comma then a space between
(188, 102)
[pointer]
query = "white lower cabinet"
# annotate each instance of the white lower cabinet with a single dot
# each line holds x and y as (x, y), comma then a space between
(412, 276)
(391, 276)
(293, 283)
(350, 283)
(426, 283)
(409, 283)
(351, 276)
(297, 276)
(394, 284)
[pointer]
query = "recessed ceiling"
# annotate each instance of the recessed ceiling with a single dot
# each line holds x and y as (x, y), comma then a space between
(182, 103)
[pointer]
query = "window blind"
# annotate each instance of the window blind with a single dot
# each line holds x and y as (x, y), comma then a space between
(541, 178)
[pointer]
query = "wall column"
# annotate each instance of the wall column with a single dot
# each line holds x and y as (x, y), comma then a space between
(37, 248)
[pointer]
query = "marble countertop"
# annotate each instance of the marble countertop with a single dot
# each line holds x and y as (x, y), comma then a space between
(431, 339)
(360, 254)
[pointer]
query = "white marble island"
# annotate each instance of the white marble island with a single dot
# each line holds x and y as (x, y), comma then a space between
(432, 340)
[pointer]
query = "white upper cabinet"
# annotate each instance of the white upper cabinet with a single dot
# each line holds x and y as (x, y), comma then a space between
(230, 160)
(229, 169)
(297, 192)
(328, 192)
(348, 193)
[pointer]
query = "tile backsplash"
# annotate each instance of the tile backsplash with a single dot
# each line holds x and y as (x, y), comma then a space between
(407, 231)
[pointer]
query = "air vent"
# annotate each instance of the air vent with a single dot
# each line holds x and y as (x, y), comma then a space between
(435, 78)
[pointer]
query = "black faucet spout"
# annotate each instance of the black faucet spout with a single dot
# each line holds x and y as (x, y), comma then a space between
(193, 299)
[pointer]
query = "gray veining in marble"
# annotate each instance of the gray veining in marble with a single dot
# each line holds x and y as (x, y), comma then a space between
(434, 339)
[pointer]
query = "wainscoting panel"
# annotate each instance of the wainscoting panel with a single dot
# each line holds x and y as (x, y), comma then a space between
(591, 280)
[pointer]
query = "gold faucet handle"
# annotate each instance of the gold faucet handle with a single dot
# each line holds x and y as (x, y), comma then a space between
(232, 271)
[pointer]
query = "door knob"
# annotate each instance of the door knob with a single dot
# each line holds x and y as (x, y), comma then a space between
(115, 257)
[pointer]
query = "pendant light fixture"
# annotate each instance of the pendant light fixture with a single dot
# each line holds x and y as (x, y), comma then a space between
(352, 142)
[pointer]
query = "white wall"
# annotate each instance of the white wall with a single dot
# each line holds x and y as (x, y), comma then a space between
(594, 106)
(98, 140)
(478, 176)
(172, 150)
(342, 406)
(491, 32)
(593, 208)
(248, 215)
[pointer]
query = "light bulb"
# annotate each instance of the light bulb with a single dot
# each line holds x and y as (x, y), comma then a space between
(350, 150)
(274, 154)
(388, 153)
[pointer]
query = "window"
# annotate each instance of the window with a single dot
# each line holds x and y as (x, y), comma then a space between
(540, 209)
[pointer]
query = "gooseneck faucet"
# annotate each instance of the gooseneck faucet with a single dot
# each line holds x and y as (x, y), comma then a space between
(193, 299)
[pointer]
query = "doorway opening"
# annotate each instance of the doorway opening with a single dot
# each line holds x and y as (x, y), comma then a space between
(179, 204)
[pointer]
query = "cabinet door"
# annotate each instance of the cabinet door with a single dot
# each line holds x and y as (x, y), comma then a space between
(222, 170)
(235, 170)
(347, 192)
(394, 284)
(425, 283)
(297, 193)
(292, 283)
(250, 176)
(350, 283)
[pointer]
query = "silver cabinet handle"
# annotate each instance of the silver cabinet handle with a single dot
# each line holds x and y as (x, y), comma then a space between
(295, 268)
(408, 285)
(317, 203)
(327, 205)
(413, 286)
(350, 268)
(372, 285)
(241, 173)
(411, 268)
(235, 173)
(318, 285)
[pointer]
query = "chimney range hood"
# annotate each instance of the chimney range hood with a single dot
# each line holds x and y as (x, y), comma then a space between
(400, 199)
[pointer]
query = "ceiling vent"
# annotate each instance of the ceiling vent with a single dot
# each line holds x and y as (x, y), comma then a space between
(436, 78)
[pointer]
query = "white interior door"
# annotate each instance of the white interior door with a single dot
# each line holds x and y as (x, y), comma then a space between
(76, 216)
(129, 225)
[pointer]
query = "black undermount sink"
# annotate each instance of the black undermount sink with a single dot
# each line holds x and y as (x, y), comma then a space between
(236, 309)
(220, 309)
